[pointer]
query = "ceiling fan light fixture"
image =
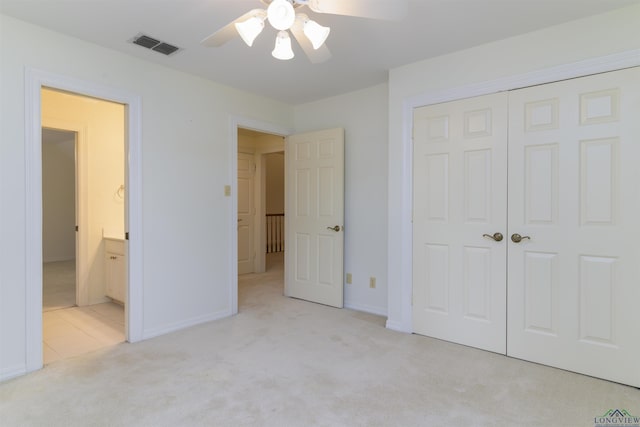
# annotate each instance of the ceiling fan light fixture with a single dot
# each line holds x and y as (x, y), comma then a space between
(316, 33)
(281, 14)
(283, 50)
(251, 28)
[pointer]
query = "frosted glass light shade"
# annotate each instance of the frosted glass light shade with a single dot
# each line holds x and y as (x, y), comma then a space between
(282, 49)
(250, 29)
(281, 14)
(316, 33)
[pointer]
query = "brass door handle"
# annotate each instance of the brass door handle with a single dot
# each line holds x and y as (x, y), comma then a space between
(336, 228)
(496, 236)
(516, 238)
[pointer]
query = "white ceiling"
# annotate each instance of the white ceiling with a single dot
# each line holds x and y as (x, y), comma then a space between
(363, 49)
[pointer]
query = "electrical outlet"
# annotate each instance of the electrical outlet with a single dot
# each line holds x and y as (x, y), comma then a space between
(227, 190)
(372, 282)
(349, 279)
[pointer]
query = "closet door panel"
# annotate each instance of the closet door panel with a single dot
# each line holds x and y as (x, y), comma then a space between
(459, 193)
(573, 290)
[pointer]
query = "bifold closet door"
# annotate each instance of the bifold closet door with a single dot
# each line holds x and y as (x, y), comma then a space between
(574, 198)
(459, 197)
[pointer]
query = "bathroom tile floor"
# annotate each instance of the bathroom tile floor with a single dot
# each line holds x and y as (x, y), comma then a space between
(59, 285)
(74, 331)
(69, 331)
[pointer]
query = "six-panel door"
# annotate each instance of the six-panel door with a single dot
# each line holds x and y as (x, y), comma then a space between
(574, 180)
(459, 196)
(246, 212)
(573, 281)
(314, 217)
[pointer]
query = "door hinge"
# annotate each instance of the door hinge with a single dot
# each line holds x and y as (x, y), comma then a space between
(76, 228)
(126, 235)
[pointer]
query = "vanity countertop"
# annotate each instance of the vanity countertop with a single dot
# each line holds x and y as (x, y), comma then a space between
(113, 237)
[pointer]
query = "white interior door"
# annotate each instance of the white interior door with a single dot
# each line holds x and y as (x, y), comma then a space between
(246, 213)
(459, 202)
(314, 203)
(574, 290)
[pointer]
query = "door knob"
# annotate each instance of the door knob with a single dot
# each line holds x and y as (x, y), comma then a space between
(496, 236)
(516, 238)
(336, 228)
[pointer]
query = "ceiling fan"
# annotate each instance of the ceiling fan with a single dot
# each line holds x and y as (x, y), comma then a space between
(284, 16)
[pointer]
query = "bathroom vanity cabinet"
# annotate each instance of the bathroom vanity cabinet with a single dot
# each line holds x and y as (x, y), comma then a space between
(115, 269)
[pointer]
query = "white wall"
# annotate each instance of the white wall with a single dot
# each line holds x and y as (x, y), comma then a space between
(363, 114)
(592, 37)
(186, 163)
(103, 149)
(58, 198)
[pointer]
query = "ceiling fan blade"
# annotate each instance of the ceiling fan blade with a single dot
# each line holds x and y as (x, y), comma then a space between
(227, 32)
(316, 56)
(391, 10)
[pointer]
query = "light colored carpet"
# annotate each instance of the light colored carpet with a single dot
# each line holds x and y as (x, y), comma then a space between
(58, 285)
(285, 362)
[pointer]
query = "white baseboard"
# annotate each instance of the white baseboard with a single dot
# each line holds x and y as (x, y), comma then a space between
(397, 326)
(155, 332)
(100, 300)
(12, 372)
(367, 309)
(58, 259)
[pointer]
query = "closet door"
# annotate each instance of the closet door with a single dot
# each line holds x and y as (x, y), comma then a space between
(574, 197)
(459, 197)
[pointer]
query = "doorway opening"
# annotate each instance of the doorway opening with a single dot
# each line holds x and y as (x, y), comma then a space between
(59, 172)
(83, 216)
(35, 81)
(260, 212)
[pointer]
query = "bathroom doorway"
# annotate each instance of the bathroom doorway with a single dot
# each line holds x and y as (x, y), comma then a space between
(59, 288)
(83, 216)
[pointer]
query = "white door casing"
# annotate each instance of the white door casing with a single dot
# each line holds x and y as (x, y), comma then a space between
(35, 80)
(573, 289)
(314, 205)
(246, 213)
(459, 199)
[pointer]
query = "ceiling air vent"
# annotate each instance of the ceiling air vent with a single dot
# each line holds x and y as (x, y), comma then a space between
(154, 44)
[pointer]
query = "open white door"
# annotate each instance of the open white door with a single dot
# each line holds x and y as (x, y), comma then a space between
(246, 213)
(314, 171)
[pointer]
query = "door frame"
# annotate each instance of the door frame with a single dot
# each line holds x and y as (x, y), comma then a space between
(236, 122)
(400, 261)
(35, 80)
